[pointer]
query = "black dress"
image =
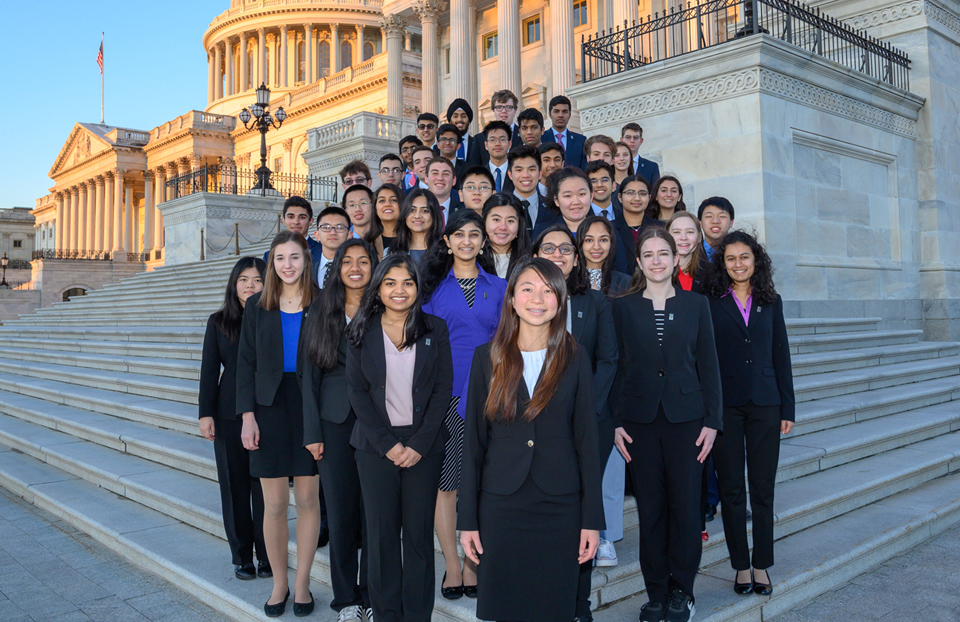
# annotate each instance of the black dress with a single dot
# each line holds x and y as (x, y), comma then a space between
(529, 487)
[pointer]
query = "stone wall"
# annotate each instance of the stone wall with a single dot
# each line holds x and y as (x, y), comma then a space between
(53, 277)
(16, 302)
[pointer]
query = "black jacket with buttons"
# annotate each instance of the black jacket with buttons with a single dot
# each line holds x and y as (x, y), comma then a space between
(682, 374)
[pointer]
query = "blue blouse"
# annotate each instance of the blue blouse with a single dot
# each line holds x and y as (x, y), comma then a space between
(290, 327)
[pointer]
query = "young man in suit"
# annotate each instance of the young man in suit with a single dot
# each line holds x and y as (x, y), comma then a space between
(448, 140)
(497, 139)
(427, 124)
(530, 123)
(476, 186)
(297, 215)
(716, 218)
(632, 136)
(355, 172)
(599, 147)
(333, 227)
(524, 172)
(602, 177)
(460, 114)
(560, 111)
(441, 180)
(406, 147)
(551, 159)
(390, 169)
(504, 106)
(421, 155)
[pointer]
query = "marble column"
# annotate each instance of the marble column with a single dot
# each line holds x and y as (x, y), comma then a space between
(334, 49)
(128, 246)
(99, 221)
(148, 215)
(61, 217)
(75, 218)
(623, 11)
(460, 44)
(383, 41)
(562, 58)
(283, 56)
(358, 48)
(472, 45)
(160, 178)
(118, 210)
(83, 220)
(244, 69)
(108, 213)
(217, 71)
(406, 41)
(308, 52)
(429, 11)
(210, 89)
(230, 70)
(392, 25)
(261, 57)
(508, 43)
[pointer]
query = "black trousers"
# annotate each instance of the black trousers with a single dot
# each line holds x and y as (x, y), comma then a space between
(241, 496)
(756, 428)
(400, 574)
(666, 481)
(341, 484)
(605, 436)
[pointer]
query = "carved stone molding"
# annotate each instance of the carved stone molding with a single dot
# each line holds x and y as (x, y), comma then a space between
(939, 13)
(229, 213)
(429, 10)
(393, 25)
(287, 145)
(906, 10)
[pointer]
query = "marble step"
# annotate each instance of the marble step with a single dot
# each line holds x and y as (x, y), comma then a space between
(177, 351)
(150, 366)
(151, 334)
(821, 362)
(133, 304)
(819, 559)
(803, 344)
(117, 320)
(819, 326)
(832, 384)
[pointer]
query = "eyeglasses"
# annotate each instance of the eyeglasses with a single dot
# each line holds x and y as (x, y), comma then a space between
(498, 141)
(635, 193)
(408, 148)
(447, 139)
(481, 188)
(504, 108)
(360, 204)
(426, 126)
(352, 181)
(387, 170)
(550, 249)
(600, 180)
(337, 228)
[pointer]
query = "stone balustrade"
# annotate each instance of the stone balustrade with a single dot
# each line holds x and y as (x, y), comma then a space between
(365, 136)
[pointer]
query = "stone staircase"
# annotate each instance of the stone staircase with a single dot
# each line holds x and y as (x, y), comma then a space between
(98, 425)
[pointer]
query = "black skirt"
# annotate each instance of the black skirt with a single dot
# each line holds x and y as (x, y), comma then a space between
(528, 571)
(281, 452)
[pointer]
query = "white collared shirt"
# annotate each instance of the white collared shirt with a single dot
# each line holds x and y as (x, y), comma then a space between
(322, 268)
(503, 172)
(597, 209)
(534, 207)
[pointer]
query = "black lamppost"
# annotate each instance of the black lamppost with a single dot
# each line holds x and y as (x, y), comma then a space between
(3, 281)
(262, 121)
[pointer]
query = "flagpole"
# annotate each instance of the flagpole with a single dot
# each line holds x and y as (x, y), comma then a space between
(102, 37)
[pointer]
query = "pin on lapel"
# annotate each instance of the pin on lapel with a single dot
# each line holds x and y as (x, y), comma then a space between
(580, 314)
(758, 309)
(428, 341)
(484, 294)
(670, 317)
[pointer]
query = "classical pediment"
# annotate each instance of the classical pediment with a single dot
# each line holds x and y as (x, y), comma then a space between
(84, 142)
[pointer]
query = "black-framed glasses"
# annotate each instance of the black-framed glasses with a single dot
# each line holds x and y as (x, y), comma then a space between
(426, 126)
(337, 228)
(550, 249)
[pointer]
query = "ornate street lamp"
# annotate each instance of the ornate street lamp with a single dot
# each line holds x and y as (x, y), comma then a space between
(4, 262)
(262, 121)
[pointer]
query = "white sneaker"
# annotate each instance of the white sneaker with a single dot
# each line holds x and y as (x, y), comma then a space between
(606, 554)
(369, 614)
(351, 614)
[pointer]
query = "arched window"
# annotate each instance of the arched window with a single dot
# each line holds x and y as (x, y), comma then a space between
(73, 292)
(301, 61)
(251, 70)
(368, 51)
(324, 61)
(346, 55)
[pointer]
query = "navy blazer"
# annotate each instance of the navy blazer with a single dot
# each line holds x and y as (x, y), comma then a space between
(648, 170)
(573, 153)
(218, 391)
(683, 374)
(432, 384)
(480, 141)
(473, 151)
(324, 391)
(754, 358)
(625, 238)
(559, 449)
(591, 324)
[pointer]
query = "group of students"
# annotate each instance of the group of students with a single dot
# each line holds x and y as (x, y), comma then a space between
(437, 371)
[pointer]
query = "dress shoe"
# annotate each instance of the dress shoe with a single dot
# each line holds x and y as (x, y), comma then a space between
(742, 588)
(470, 591)
(275, 611)
(324, 536)
(711, 512)
(450, 593)
(303, 609)
(263, 570)
(763, 589)
(245, 572)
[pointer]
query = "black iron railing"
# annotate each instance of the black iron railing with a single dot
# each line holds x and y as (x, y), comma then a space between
(18, 264)
(691, 27)
(73, 254)
(231, 180)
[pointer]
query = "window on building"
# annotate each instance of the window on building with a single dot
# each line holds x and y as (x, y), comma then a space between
(446, 61)
(18, 243)
(324, 59)
(301, 61)
(251, 69)
(579, 13)
(368, 50)
(278, 164)
(490, 45)
(531, 30)
(346, 55)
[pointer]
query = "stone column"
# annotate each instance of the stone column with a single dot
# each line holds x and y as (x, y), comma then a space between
(150, 208)
(75, 218)
(283, 56)
(261, 57)
(308, 51)
(118, 210)
(160, 177)
(210, 89)
(230, 67)
(108, 214)
(623, 10)
(244, 69)
(217, 71)
(335, 49)
(61, 216)
(429, 10)
(460, 45)
(508, 42)
(83, 218)
(358, 48)
(392, 25)
(472, 45)
(99, 222)
(383, 41)
(562, 59)
(406, 41)
(128, 218)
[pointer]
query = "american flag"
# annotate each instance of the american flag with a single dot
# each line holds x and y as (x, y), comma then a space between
(100, 57)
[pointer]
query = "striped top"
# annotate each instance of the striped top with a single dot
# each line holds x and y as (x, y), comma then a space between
(469, 287)
(660, 317)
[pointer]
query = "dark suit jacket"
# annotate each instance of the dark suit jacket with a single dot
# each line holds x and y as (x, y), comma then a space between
(754, 359)
(432, 389)
(592, 326)
(546, 214)
(619, 282)
(473, 151)
(625, 237)
(558, 449)
(218, 392)
(682, 374)
(573, 154)
(648, 170)
(324, 395)
(260, 356)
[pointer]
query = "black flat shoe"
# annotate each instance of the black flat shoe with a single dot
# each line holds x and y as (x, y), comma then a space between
(470, 591)
(742, 588)
(711, 513)
(303, 609)
(324, 537)
(263, 570)
(763, 589)
(275, 611)
(245, 572)
(450, 593)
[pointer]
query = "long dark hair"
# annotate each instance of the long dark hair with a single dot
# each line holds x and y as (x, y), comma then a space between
(501, 404)
(653, 207)
(578, 281)
(436, 264)
(639, 282)
(718, 282)
(520, 247)
(273, 285)
(326, 323)
(606, 269)
(404, 236)
(371, 304)
(398, 193)
(230, 316)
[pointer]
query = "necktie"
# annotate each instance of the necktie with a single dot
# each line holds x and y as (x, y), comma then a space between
(499, 181)
(462, 151)
(603, 213)
(562, 136)
(326, 274)
(411, 179)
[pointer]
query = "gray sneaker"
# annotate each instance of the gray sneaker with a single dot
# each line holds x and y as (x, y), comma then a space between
(679, 608)
(351, 614)
(369, 614)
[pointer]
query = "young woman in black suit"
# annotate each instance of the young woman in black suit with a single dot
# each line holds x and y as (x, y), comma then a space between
(590, 322)
(328, 421)
(596, 251)
(399, 380)
(219, 423)
(758, 399)
(268, 395)
(531, 475)
(668, 409)
(508, 239)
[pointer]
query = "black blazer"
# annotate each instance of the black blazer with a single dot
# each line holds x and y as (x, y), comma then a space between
(619, 283)
(218, 392)
(625, 236)
(558, 449)
(480, 142)
(592, 326)
(683, 374)
(324, 395)
(754, 359)
(260, 355)
(432, 389)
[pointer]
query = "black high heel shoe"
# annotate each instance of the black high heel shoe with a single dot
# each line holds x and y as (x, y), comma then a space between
(743, 588)
(303, 609)
(275, 611)
(763, 589)
(450, 593)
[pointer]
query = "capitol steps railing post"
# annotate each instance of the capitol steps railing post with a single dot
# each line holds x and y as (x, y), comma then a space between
(202, 257)
(236, 239)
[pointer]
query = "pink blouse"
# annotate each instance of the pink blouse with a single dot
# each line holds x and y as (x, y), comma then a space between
(399, 382)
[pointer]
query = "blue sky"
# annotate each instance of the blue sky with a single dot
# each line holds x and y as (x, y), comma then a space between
(156, 69)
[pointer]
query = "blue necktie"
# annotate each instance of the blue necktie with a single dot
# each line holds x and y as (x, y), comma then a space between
(462, 151)
(499, 181)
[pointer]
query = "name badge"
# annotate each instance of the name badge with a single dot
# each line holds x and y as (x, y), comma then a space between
(758, 309)
(484, 294)
(428, 341)
(580, 314)
(670, 317)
